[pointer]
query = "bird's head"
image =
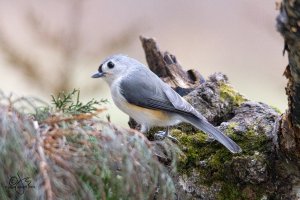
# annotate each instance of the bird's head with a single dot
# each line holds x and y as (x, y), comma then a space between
(114, 67)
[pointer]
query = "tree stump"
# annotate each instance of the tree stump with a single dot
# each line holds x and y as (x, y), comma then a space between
(207, 170)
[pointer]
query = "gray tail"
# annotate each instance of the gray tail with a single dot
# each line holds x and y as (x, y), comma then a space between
(208, 128)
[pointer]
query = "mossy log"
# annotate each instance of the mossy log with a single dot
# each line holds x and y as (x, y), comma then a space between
(209, 171)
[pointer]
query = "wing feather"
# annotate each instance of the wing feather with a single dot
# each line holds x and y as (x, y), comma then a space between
(153, 93)
(180, 103)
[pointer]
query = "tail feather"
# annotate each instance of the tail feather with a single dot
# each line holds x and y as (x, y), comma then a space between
(208, 128)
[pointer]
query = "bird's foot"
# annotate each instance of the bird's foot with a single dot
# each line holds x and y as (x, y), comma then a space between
(160, 135)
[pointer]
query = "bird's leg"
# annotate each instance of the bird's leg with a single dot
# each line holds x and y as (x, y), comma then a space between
(144, 129)
(160, 135)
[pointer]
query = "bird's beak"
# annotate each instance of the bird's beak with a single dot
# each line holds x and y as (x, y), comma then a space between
(98, 75)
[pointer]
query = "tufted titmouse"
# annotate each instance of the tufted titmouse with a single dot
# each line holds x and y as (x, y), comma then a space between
(141, 94)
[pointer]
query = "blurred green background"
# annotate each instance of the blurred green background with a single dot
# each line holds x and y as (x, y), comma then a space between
(51, 46)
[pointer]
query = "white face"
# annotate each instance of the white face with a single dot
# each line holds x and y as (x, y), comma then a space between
(111, 69)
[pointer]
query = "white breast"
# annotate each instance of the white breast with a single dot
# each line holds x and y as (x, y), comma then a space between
(144, 116)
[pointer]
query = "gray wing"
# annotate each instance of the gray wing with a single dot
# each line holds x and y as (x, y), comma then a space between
(180, 103)
(148, 91)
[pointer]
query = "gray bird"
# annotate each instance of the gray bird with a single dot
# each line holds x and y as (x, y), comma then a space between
(141, 94)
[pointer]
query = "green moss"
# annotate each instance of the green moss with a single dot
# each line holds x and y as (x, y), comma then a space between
(191, 145)
(230, 192)
(198, 151)
(197, 148)
(233, 191)
(219, 159)
(213, 161)
(227, 93)
(230, 131)
(252, 142)
(276, 109)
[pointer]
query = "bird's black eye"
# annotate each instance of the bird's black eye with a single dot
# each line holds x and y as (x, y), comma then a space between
(110, 65)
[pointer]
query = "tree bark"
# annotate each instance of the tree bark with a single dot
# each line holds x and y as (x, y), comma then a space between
(166, 66)
(288, 24)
